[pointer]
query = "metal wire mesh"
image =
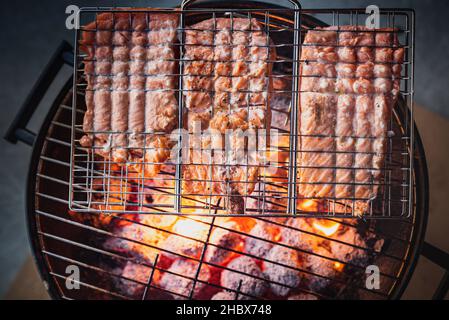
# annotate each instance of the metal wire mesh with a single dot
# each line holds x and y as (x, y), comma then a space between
(83, 240)
(152, 182)
(379, 190)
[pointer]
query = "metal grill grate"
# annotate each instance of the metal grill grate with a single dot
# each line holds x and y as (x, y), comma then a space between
(101, 184)
(79, 239)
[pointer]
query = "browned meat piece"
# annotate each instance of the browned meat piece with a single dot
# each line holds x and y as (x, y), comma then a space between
(349, 83)
(226, 77)
(131, 101)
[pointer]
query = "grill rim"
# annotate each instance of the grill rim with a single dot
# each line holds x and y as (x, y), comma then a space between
(31, 197)
(417, 234)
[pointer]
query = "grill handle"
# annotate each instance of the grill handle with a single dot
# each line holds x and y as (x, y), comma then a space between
(186, 3)
(18, 131)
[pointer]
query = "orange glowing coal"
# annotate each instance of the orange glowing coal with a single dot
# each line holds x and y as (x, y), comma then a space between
(190, 228)
(308, 205)
(338, 266)
(328, 228)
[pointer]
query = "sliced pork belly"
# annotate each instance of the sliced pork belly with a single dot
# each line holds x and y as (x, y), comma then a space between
(226, 83)
(349, 84)
(131, 103)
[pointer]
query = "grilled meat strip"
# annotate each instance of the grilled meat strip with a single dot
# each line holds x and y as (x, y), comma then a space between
(350, 80)
(226, 83)
(130, 71)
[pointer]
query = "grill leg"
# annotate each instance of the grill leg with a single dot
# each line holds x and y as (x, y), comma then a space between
(443, 287)
(440, 258)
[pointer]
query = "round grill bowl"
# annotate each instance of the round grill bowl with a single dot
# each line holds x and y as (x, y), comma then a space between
(58, 240)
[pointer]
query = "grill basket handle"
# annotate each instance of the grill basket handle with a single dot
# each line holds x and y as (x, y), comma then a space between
(186, 3)
(18, 131)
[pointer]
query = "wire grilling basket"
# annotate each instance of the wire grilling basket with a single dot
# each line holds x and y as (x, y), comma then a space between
(149, 169)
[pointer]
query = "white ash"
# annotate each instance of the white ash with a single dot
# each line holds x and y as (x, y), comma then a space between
(257, 247)
(293, 234)
(178, 246)
(224, 295)
(320, 266)
(346, 251)
(252, 279)
(282, 279)
(176, 282)
(303, 296)
(135, 272)
(136, 240)
(225, 239)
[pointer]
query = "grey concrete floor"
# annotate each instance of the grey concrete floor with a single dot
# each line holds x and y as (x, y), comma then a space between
(31, 30)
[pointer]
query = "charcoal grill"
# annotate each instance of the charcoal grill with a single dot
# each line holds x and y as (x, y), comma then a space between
(61, 238)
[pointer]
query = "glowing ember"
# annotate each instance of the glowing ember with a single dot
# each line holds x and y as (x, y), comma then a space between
(339, 266)
(308, 205)
(328, 228)
(190, 228)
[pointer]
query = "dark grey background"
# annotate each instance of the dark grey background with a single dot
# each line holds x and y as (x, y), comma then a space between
(31, 30)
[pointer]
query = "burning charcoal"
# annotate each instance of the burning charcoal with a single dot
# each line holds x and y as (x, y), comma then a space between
(346, 251)
(177, 281)
(256, 247)
(157, 220)
(177, 246)
(188, 239)
(294, 236)
(96, 219)
(132, 234)
(303, 296)
(320, 266)
(276, 273)
(252, 282)
(135, 272)
(225, 239)
(224, 295)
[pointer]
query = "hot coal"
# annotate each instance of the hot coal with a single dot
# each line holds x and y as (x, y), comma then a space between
(320, 266)
(176, 246)
(224, 295)
(221, 239)
(177, 281)
(257, 247)
(252, 280)
(294, 235)
(136, 240)
(136, 272)
(286, 274)
(347, 252)
(303, 296)
(158, 220)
